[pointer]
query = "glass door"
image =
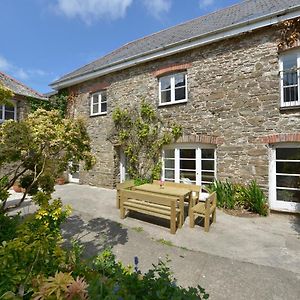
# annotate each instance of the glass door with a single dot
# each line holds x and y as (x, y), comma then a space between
(285, 178)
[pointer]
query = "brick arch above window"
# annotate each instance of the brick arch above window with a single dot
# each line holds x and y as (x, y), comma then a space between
(200, 138)
(171, 69)
(281, 138)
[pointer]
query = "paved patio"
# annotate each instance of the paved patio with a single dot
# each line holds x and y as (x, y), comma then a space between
(240, 258)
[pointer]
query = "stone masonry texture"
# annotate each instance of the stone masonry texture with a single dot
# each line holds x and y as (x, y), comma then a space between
(233, 103)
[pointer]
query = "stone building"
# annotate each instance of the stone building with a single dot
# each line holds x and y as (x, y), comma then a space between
(227, 81)
(19, 108)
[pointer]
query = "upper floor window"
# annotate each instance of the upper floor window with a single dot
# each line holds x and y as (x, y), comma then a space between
(290, 79)
(7, 112)
(173, 89)
(98, 103)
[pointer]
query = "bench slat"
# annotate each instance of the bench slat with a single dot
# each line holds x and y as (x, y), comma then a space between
(150, 204)
(161, 210)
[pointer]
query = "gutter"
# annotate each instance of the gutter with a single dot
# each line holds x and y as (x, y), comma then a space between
(188, 44)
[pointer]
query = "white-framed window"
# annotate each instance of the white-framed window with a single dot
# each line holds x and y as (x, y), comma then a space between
(173, 89)
(98, 104)
(290, 78)
(194, 162)
(7, 112)
(285, 177)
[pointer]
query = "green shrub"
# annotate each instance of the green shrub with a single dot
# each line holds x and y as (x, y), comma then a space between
(8, 226)
(256, 199)
(234, 196)
(33, 265)
(225, 193)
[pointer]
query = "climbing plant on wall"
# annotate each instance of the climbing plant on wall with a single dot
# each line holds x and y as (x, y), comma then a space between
(57, 102)
(141, 134)
(5, 95)
(289, 34)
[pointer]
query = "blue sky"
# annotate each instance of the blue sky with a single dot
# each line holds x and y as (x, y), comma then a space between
(42, 40)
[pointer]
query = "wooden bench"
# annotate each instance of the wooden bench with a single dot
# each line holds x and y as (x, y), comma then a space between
(161, 206)
(124, 185)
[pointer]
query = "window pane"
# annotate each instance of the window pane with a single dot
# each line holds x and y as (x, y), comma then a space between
(103, 97)
(208, 153)
(1, 112)
(165, 96)
(179, 80)
(289, 78)
(95, 99)
(165, 83)
(288, 167)
(95, 108)
(188, 174)
(9, 115)
(180, 94)
(169, 163)
(208, 165)
(207, 176)
(288, 153)
(288, 181)
(289, 61)
(188, 153)
(169, 153)
(188, 164)
(104, 107)
(289, 196)
(290, 94)
(169, 174)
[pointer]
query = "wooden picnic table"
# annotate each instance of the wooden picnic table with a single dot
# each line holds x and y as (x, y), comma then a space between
(181, 193)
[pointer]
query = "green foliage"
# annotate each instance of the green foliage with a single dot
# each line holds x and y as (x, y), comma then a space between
(39, 149)
(57, 102)
(141, 134)
(114, 281)
(225, 193)
(5, 95)
(233, 196)
(256, 199)
(8, 226)
(140, 181)
(35, 266)
(34, 248)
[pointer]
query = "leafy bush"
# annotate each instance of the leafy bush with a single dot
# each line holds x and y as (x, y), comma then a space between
(233, 196)
(256, 199)
(36, 248)
(8, 226)
(34, 265)
(225, 193)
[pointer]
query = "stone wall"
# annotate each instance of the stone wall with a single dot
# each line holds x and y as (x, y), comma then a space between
(233, 96)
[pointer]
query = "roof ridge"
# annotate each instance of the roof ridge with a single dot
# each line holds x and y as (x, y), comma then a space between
(154, 33)
(22, 84)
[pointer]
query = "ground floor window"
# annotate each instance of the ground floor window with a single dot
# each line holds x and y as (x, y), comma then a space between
(193, 162)
(7, 112)
(285, 177)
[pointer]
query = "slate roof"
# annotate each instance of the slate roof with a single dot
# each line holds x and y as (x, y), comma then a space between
(17, 87)
(248, 10)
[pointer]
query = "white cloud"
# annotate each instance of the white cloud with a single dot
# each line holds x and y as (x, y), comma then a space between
(91, 10)
(4, 64)
(206, 3)
(21, 74)
(157, 7)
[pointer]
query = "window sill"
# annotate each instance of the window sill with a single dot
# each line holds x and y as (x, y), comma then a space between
(172, 103)
(99, 114)
(286, 108)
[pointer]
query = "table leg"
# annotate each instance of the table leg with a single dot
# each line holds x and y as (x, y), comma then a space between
(181, 207)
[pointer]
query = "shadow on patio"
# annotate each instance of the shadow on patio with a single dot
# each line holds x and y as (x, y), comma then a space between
(95, 235)
(295, 223)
